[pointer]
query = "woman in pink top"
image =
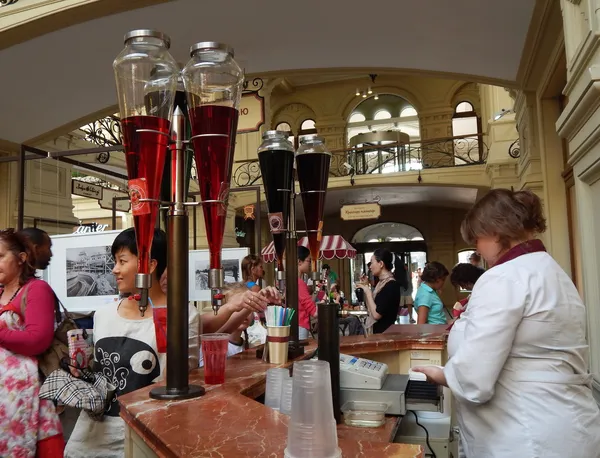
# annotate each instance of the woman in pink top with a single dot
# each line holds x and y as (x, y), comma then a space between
(306, 305)
(29, 426)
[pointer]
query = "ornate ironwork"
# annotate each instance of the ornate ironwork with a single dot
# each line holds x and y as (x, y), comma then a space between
(103, 132)
(514, 150)
(7, 2)
(247, 173)
(255, 85)
(390, 158)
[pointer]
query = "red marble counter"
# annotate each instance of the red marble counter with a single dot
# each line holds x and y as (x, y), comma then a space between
(228, 422)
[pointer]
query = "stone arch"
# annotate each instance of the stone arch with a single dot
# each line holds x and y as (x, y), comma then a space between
(408, 232)
(468, 92)
(294, 114)
(350, 102)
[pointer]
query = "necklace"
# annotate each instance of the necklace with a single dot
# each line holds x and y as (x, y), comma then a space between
(13, 296)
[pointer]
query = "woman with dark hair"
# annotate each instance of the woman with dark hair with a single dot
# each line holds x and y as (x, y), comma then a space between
(252, 272)
(430, 309)
(29, 426)
(384, 301)
(130, 350)
(464, 276)
(518, 365)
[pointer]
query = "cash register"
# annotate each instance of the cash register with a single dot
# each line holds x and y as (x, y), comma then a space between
(365, 380)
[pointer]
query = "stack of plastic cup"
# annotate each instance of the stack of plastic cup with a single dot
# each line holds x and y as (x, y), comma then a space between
(275, 378)
(286, 396)
(312, 429)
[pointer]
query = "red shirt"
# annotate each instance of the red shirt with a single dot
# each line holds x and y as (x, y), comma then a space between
(38, 333)
(306, 306)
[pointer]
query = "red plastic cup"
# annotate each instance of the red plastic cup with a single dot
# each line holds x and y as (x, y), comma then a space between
(214, 352)
(160, 328)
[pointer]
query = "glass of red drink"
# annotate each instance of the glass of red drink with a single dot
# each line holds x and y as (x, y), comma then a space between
(214, 353)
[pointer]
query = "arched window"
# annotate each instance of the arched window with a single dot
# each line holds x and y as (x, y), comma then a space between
(357, 117)
(307, 127)
(307, 124)
(382, 114)
(286, 128)
(467, 125)
(408, 111)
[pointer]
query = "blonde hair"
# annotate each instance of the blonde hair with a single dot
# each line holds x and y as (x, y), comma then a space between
(229, 289)
(509, 215)
(249, 263)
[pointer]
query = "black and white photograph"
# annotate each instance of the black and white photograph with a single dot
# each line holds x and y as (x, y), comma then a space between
(199, 266)
(89, 272)
(81, 270)
(231, 272)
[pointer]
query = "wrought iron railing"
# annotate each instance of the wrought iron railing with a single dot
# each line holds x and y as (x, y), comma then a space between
(389, 158)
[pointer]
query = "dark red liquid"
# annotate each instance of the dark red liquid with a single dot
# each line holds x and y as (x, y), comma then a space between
(145, 154)
(214, 353)
(214, 161)
(313, 175)
(277, 168)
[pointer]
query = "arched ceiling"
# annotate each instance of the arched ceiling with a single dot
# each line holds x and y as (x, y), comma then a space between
(54, 79)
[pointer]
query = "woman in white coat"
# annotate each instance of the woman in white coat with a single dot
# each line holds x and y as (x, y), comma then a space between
(518, 365)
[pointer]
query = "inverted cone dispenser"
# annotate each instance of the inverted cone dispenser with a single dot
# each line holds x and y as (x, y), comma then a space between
(312, 165)
(146, 76)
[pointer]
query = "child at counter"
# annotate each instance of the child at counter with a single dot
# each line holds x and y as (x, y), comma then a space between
(430, 309)
(464, 276)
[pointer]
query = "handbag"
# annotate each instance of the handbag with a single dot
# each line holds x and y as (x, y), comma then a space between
(49, 361)
(80, 388)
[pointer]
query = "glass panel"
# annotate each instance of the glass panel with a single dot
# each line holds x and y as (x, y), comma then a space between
(308, 125)
(464, 107)
(357, 117)
(408, 111)
(283, 126)
(382, 114)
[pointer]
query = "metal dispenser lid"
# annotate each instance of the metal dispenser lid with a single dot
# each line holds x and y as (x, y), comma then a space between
(148, 33)
(211, 45)
(311, 138)
(276, 140)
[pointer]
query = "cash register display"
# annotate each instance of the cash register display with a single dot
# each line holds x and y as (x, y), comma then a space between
(361, 373)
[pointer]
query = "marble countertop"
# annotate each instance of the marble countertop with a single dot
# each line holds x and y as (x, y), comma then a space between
(228, 422)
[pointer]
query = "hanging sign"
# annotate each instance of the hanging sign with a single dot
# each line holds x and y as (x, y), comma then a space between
(251, 113)
(107, 201)
(249, 212)
(83, 189)
(360, 211)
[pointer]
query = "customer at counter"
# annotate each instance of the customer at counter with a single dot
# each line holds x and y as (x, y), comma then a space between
(430, 309)
(518, 365)
(306, 305)
(252, 272)
(383, 301)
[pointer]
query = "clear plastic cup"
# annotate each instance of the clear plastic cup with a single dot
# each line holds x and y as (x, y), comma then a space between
(286, 396)
(312, 430)
(275, 378)
(214, 353)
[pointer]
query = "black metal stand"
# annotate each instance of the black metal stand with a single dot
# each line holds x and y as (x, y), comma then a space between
(177, 288)
(329, 350)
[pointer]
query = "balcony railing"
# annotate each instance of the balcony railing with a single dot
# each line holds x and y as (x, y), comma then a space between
(389, 158)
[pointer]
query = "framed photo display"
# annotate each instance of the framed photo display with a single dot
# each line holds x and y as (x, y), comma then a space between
(199, 267)
(80, 271)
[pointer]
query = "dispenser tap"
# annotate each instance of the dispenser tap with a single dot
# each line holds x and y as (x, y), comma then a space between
(215, 283)
(143, 282)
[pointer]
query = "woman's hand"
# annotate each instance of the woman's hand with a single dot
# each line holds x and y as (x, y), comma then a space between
(248, 300)
(271, 294)
(435, 374)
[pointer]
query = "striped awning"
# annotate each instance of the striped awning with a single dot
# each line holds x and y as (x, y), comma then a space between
(332, 246)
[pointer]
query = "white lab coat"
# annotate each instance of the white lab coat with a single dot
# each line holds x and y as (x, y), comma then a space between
(518, 366)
